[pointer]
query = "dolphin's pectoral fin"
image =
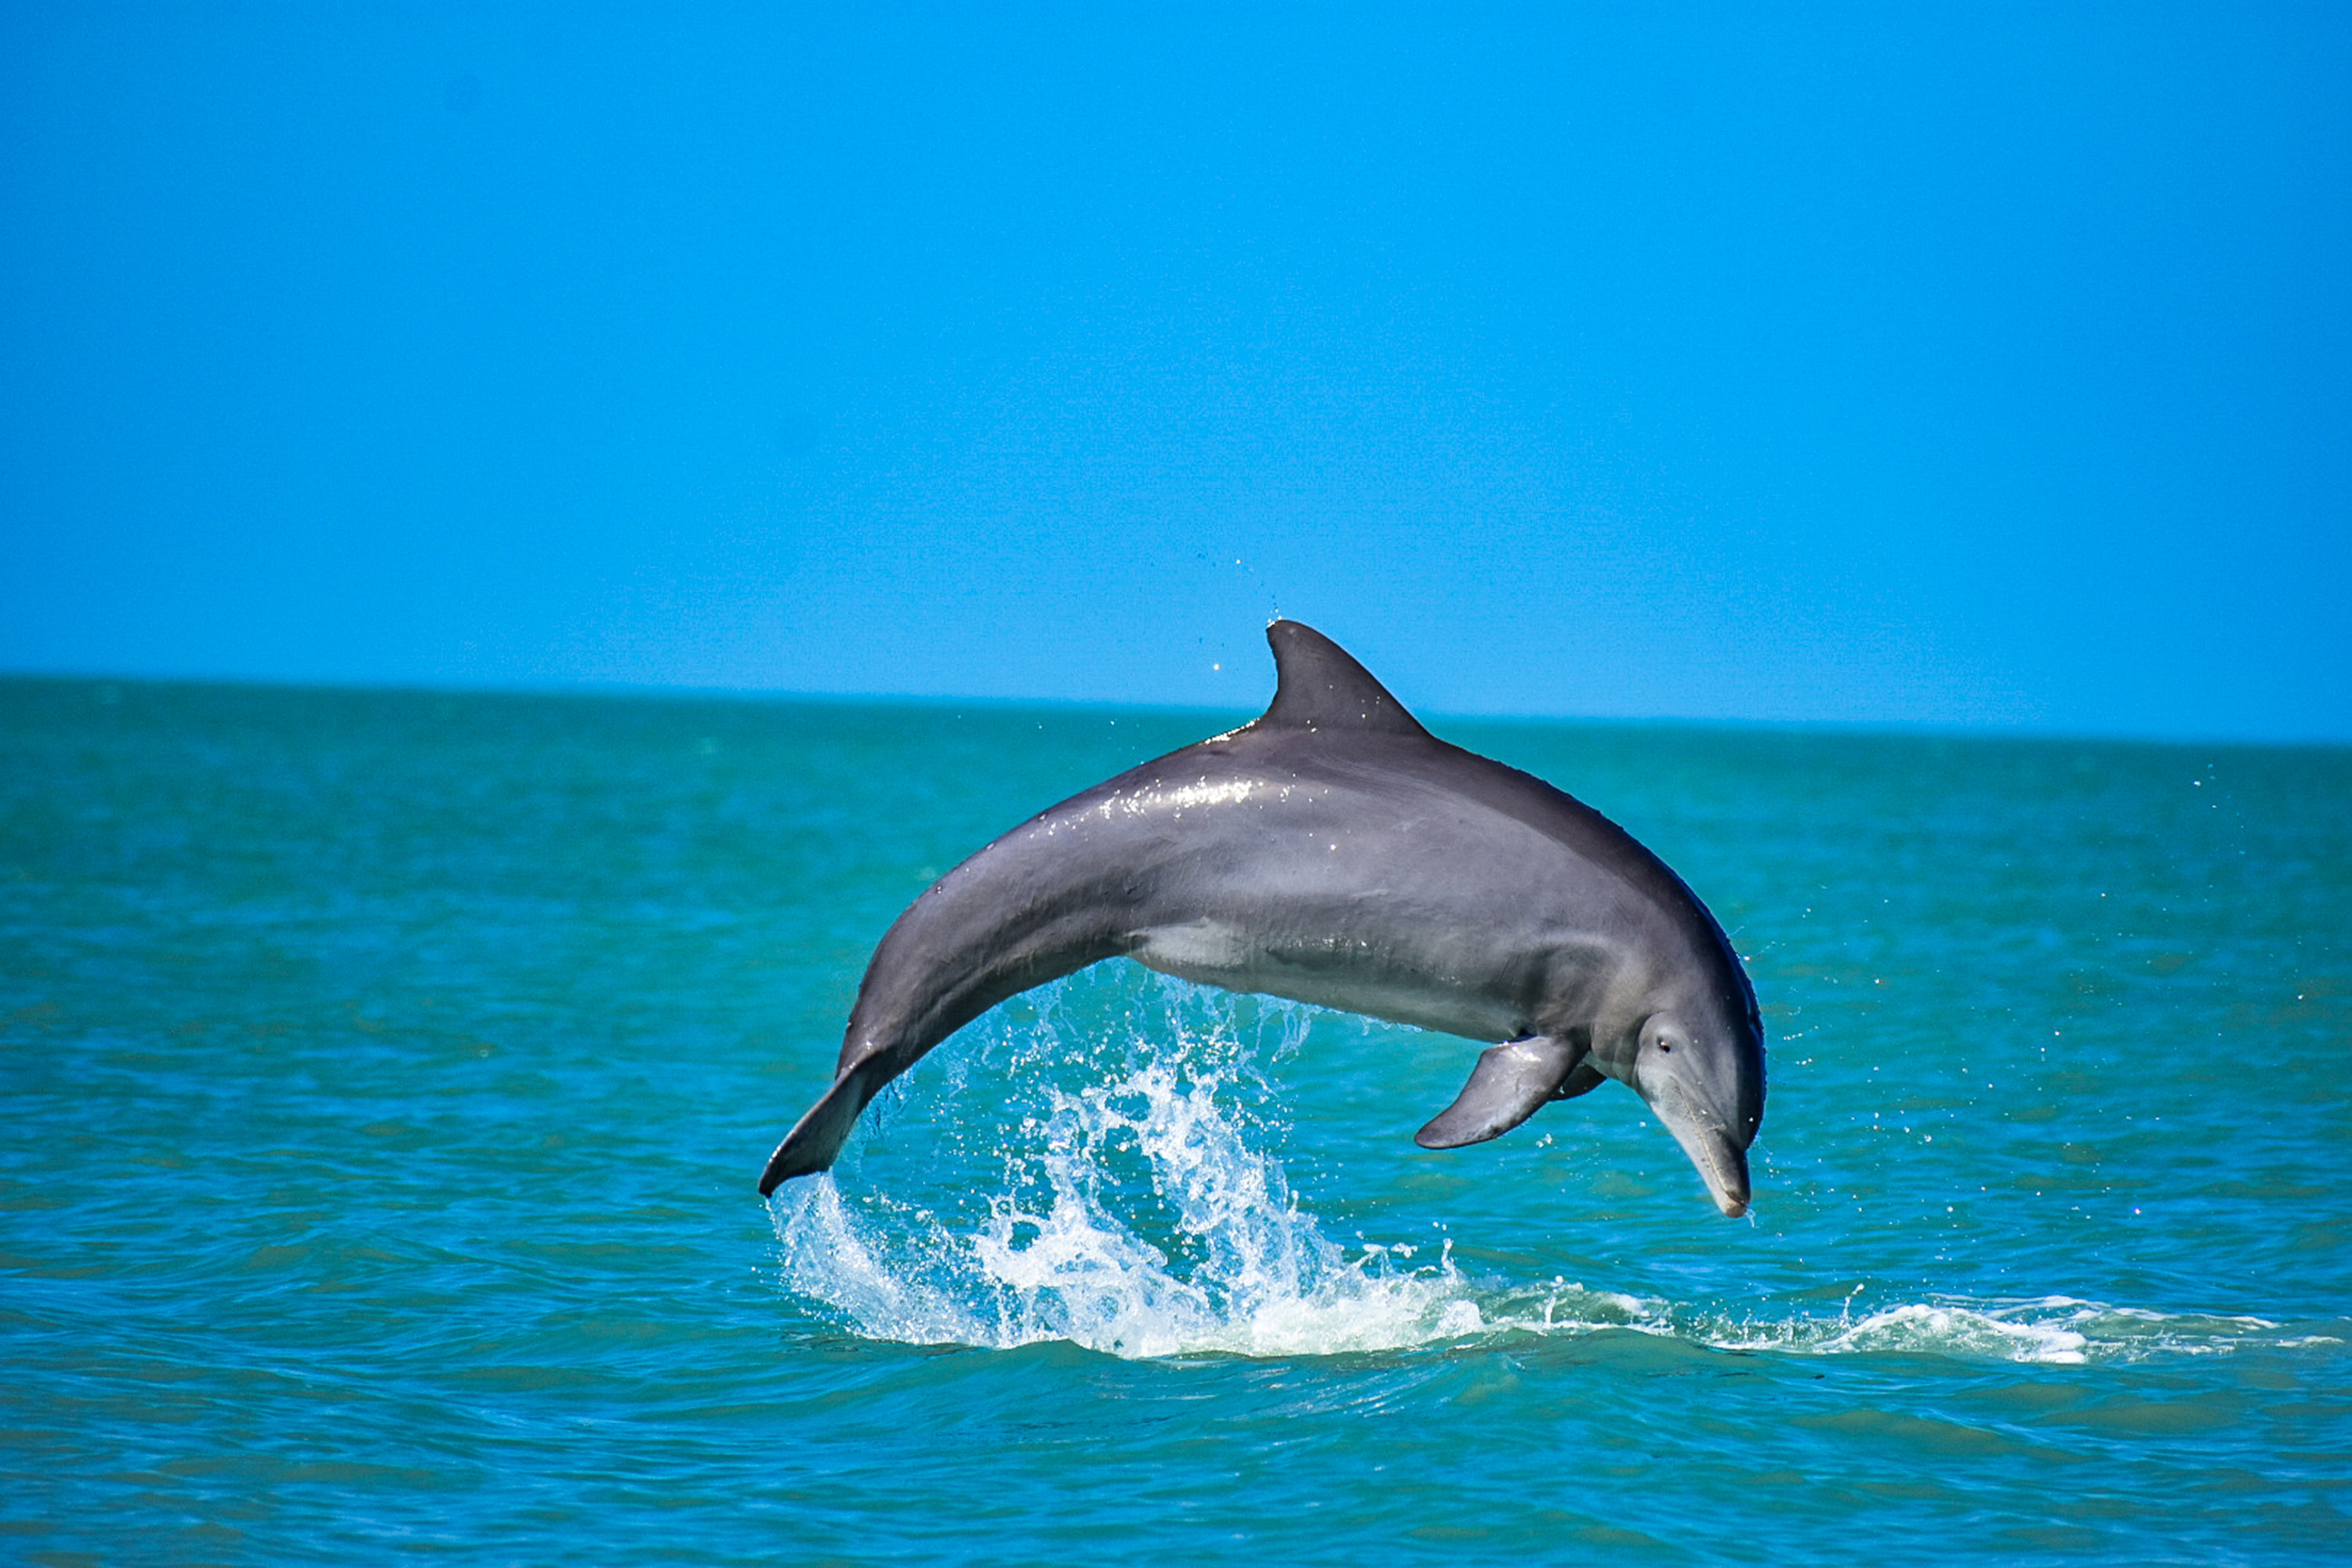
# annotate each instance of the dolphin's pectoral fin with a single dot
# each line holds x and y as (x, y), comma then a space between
(1511, 1082)
(1583, 1078)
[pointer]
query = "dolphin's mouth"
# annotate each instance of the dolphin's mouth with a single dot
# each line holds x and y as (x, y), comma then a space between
(1721, 1163)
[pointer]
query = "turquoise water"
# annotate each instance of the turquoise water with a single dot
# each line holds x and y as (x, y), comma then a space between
(387, 1075)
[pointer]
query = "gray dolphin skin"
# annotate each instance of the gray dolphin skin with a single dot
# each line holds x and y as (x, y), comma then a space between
(1336, 852)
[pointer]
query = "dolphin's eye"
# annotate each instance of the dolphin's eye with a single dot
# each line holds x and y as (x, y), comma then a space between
(1665, 1045)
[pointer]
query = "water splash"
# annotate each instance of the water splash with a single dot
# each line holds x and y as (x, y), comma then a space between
(1147, 1214)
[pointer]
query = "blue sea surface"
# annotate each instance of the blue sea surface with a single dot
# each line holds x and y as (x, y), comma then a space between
(387, 1075)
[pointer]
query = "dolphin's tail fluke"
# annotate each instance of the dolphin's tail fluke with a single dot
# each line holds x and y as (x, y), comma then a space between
(815, 1141)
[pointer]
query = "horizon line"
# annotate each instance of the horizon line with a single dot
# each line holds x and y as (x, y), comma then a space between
(574, 687)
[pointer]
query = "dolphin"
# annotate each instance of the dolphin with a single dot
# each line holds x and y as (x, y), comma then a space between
(1335, 852)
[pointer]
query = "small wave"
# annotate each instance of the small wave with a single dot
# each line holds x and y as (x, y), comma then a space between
(2054, 1331)
(1148, 1215)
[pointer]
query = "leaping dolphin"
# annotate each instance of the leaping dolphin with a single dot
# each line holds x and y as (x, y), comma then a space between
(1335, 852)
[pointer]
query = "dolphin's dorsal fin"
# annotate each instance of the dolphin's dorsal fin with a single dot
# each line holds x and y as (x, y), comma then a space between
(1318, 687)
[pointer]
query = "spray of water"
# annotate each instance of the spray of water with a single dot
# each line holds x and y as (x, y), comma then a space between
(1146, 1213)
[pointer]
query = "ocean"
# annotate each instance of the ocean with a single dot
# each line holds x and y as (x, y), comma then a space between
(387, 1075)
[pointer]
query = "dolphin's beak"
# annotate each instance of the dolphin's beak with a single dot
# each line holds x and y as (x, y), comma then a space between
(1722, 1163)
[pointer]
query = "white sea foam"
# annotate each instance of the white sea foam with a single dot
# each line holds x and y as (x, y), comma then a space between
(1053, 1260)
(1152, 1218)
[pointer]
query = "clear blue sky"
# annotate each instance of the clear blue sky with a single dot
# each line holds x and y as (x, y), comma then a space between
(1977, 365)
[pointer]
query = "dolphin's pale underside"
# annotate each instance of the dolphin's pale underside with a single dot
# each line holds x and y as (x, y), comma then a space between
(1335, 852)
